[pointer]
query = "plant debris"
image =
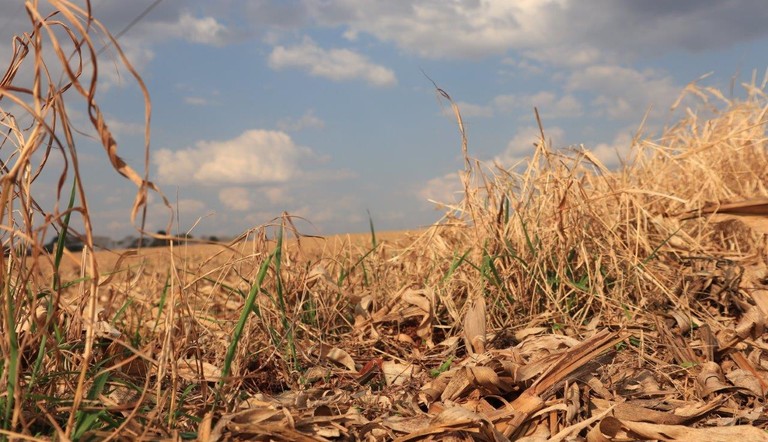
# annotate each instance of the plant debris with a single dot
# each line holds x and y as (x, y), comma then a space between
(560, 300)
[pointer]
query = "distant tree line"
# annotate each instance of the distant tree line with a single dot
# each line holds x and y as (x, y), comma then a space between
(75, 244)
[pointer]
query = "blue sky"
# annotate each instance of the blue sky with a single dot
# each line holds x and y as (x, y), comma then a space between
(321, 107)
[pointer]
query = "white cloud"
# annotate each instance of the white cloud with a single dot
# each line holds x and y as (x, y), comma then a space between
(112, 72)
(567, 54)
(204, 30)
(522, 145)
(276, 195)
(195, 101)
(256, 156)
(624, 93)
(333, 64)
(125, 128)
(522, 65)
(651, 29)
(307, 121)
(236, 198)
(546, 29)
(469, 110)
(260, 217)
(168, 21)
(241, 199)
(434, 29)
(345, 209)
(189, 206)
(443, 189)
(186, 210)
(611, 153)
(549, 104)
(567, 105)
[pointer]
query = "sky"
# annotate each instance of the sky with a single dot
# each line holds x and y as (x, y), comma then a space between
(325, 108)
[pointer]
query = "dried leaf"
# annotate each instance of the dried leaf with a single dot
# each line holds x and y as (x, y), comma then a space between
(337, 356)
(189, 369)
(746, 380)
(615, 429)
(711, 379)
(398, 374)
(474, 325)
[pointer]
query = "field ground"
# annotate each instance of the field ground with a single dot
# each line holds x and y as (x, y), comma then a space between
(357, 349)
(311, 246)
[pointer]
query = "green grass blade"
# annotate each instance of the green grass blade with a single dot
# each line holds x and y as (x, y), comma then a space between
(373, 231)
(161, 302)
(87, 420)
(281, 305)
(528, 240)
(63, 236)
(343, 275)
(12, 363)
(240, 326)
(657, 248)
(56, 285)
(455, 265)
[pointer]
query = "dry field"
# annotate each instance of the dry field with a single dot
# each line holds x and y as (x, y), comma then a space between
(559, 300)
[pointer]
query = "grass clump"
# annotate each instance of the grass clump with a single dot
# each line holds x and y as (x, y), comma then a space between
(559, 299)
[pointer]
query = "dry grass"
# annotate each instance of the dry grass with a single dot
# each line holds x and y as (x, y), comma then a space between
(560, 301)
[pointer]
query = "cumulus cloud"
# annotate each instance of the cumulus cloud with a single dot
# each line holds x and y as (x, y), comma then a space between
(333, 64)
(521, 65)
(255, 157)
(659, 26)
(624, 93)
(469, 110)
(550, 105)
(307, 121)
(236, 198)
(569, 54)
(182, 25)
(241, 199)
(430, 29)
(522, 145)
(443, 189)
(342, 210)
(166, 21)
(276, 195)
(190, 206)
(546, 30)
(158, 214)
(611, 153)
(204, 30)
(112, 72)
(195, 101)
(119, 127)
(540, 29)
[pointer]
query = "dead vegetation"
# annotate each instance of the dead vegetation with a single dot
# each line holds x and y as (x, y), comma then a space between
(558, 301)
